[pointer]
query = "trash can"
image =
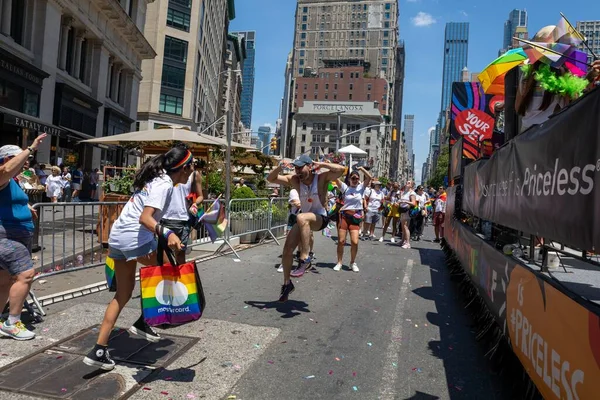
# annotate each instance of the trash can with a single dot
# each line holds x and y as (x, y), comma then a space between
(35, 196)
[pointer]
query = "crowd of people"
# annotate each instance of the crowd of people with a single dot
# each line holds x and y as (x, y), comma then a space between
(321, 199)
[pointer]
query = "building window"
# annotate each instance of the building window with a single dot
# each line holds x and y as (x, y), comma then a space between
(351, 86)
(304, 96)
(304, 18)
(335, 96)
(386, 43)
(302, 62)
(386, 33)
(315, 94)
(368, 86)
(386, 24)
(303, 136)
(305, 86)
(384, 61)
(350, 96)
(303, 27)
(303, 35)
(368, 96)
(302, 149)
(326, 96)
(387, 15)
(368, 140)
(304, 126)
(300, 71)
(302, 52)
(182, 3)
(388, 6)
(335, 86)
(171, 104)
(368, 129)
(327, 86)
(303, 44)
(178, 19)
(175, 49)
(173, 77)
(304, 9)
(384, 52)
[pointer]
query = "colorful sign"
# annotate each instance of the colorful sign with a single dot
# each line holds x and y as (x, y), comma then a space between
(472, 117)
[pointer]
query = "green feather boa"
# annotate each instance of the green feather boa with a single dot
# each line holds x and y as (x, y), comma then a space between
(564, 85)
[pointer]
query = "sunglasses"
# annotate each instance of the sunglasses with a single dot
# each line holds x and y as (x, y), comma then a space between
(354, 178)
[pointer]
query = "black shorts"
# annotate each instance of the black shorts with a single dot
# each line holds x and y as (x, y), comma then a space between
(325, 222)
(181, 228)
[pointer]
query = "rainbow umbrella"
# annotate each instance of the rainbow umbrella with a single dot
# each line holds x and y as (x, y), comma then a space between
(492, 77)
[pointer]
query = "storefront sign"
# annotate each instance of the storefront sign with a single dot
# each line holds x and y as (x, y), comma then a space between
(32, 125)
(338, 107)
(23, 73)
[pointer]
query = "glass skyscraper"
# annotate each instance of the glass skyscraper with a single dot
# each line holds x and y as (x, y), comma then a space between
(456, 51)
(264, 137)
(516, 19)
(248, 78)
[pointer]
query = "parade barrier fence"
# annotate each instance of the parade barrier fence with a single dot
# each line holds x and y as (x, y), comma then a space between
(73, 236)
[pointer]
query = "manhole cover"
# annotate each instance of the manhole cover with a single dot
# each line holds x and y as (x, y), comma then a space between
(58, 372)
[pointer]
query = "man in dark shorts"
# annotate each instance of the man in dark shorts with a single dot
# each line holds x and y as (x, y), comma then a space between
(312, 188)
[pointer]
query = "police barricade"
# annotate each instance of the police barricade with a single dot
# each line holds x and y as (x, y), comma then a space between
(250, 220)
(279, 216)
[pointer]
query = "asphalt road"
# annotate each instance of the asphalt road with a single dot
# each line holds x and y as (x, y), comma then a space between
(395, 330)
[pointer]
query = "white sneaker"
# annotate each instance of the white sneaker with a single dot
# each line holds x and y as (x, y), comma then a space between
(406, 245)
(354, 267)
(338, 267)
(18, 331)
(381, 239)
(280, 269)
(393, 240)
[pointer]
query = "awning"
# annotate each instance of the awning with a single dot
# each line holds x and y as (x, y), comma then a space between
(21, 120)
(76, 134)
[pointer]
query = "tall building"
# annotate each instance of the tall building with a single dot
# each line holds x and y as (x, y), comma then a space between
(285, 139)
(264, 137)
(456, 52)
(232, 94)
(248, 77)
(184, 83)
(515, 26)
(336, 33)
(409, 130)
(591, 30)
(72, 69)
(397, 144)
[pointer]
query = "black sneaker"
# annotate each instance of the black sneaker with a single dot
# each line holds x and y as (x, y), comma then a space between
(141, 328)
(436, 240)
(286, 290)
(99, 357)
(312, 256)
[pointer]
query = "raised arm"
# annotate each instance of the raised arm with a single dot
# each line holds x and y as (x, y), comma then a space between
(11, 168)
(335, 171)
(276, 177)
(368, 177)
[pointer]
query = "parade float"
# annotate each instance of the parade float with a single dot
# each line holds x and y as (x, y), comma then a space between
(542, 330)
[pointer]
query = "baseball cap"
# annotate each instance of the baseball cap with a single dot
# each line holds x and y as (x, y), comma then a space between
(302, 160)
(9, 150)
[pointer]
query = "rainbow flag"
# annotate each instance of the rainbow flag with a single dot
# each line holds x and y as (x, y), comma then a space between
(566, 33)
(170, 294)
(214, 220)
(109, 272)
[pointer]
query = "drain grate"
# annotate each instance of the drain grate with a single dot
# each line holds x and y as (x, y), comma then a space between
(58, 372)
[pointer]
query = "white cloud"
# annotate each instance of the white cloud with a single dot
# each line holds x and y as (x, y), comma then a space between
(464, 13)
(423, 19)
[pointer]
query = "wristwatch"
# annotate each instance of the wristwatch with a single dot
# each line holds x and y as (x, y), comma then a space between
(31, 149)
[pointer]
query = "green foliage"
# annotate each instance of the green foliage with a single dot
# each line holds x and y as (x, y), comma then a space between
(122, 184)
(215, 183)
(441, 169)
(243, 192)
(384, 180)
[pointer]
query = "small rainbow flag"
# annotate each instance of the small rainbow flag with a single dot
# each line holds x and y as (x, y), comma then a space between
(214, 220)
(170, 294)
(109, 272)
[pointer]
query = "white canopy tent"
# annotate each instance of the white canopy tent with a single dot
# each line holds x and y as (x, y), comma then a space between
(352, 150)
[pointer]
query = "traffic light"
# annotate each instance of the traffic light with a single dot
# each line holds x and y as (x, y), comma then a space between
(273, 144)
(394, 132)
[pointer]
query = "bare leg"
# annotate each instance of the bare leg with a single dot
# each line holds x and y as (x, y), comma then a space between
(341, 244)
(312, 241)
(306, 223)
(405, 231)
(19, 291)
(436, 229)
(353, 246)
(385, 226)
(394, 226)
(287, 258)
(125, 275)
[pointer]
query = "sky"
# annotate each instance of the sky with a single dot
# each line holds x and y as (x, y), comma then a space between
(422, 29)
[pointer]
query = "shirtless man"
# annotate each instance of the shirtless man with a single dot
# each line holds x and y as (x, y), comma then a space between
(312, 188)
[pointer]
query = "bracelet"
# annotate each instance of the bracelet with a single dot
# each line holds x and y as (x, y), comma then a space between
(31, 149)
(167, 233)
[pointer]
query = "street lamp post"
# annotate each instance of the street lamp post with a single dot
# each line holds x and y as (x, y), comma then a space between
(339, 128)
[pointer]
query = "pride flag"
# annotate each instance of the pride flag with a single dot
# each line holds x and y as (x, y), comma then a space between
(109, 273)
(170, 294)
(566, 33)
(214, 220)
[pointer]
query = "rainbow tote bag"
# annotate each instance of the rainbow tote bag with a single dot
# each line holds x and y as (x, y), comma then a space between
(171, 294)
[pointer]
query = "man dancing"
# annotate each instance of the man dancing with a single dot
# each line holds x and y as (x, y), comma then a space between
(312, 188)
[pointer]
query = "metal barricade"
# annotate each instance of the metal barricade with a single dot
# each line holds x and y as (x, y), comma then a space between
(250, 220)
(279, 216)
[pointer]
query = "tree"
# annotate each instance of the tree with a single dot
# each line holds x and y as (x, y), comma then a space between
(441, 168)
(384, 180)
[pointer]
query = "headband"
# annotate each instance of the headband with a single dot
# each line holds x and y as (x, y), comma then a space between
(186, 160)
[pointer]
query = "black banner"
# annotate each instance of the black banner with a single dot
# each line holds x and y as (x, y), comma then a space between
(545, 181)
(456, 159)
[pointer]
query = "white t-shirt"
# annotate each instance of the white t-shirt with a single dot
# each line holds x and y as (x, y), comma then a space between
(177, 208)
(127, 233)
(375, 199)
(294, 196)
(353, 197)
(440, 206)
(404, 198)
(421, 200)
(66, 180)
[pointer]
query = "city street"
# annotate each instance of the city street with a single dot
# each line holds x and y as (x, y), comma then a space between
(395, 330)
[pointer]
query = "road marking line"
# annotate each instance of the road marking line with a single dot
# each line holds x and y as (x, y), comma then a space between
(390, 368)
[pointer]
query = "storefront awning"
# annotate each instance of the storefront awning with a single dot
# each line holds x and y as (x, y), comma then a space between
(76, 134)
(21, 120)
